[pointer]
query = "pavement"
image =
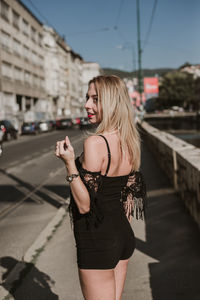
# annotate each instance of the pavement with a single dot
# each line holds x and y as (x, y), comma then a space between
(165, 264)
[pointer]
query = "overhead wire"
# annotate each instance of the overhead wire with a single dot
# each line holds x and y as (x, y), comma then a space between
(150, 24)
(40, 14)
(119, 14)
(70, 34)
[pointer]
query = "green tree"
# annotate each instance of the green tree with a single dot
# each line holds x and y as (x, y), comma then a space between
(177, 89)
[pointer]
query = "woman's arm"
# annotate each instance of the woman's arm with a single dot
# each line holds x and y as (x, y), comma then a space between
(91, 162)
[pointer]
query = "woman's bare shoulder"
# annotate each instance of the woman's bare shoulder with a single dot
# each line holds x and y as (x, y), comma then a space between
(93, 155)
(93, 141)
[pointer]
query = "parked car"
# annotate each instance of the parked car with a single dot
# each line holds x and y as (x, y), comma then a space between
(9, 131)
(76, 122)
(30, 128)
(52, 124)
(63, 123)
(1, 141)
(44, 126)
(84, 122)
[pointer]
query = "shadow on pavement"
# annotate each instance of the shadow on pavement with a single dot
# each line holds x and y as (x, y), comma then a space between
(172, 238)
(37, 285)
(14, 193)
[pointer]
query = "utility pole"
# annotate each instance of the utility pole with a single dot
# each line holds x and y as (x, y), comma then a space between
(140, 79)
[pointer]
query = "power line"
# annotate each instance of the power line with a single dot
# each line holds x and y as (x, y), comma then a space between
(90, 31)
(119, 14)
(40, 14)
(150, 24)
(70, 34)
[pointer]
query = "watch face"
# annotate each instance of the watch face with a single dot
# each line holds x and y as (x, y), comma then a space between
(70, 178)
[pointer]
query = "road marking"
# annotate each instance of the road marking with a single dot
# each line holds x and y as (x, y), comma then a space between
(10, 208)
(31, 194)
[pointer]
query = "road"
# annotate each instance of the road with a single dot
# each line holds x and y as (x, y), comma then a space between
(32, 188)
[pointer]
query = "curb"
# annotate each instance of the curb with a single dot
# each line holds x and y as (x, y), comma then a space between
(33, 252)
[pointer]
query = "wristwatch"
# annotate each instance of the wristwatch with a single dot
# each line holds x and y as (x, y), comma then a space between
(70, 178)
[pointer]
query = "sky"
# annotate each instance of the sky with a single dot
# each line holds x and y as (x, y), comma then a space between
(105, 31)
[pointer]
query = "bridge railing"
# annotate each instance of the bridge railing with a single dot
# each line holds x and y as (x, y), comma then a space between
(181, 163)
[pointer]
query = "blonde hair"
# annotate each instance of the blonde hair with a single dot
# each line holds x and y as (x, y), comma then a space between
(116, 113)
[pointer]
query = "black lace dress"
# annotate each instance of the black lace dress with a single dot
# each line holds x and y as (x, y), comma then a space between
(104, 235)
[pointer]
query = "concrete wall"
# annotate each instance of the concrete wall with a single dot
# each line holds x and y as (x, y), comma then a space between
(181, 163)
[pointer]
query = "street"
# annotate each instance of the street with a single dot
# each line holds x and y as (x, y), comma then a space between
(33, 187)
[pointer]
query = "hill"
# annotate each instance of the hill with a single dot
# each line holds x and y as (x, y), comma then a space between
(146, 72)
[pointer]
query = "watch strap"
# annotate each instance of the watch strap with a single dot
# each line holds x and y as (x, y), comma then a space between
(70, 177)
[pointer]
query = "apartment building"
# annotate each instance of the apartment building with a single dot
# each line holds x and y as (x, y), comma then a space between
(75, 87)
(89, 70)
(41, 77)
(56, 60)
(22, 87)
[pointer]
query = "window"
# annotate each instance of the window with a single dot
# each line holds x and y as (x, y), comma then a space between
(33, 33)
(4, 10)
(15, 19)
(16, 47)
(40, 61)
(6, 69)
(26, 53)
(27, 77)
(40, 39)
(18, 74)
(5, 40)
(25, 27)
(35, 80)
(41, 82)
(34, 58)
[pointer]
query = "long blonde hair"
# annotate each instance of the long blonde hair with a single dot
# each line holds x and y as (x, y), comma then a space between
(117, 113)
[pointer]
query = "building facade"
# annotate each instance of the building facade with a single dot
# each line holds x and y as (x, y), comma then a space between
(41, 77)
(89, 70)
(22, 89)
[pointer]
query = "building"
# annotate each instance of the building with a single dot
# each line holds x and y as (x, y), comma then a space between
(41, 77)
(75, 86)
(191, 69)
(57, 55)
(89, 70)
(22, 90)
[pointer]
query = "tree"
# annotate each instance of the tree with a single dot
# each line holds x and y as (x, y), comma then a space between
(177, 89)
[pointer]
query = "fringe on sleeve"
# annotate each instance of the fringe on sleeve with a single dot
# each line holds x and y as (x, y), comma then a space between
(134, 196)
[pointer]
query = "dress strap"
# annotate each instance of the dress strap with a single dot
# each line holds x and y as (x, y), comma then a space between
(109, 154)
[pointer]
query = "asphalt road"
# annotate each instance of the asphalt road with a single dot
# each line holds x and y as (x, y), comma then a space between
(32, 188)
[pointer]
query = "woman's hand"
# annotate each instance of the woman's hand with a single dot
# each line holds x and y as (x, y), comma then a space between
(65, 151)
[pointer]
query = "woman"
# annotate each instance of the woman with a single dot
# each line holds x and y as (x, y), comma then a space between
(106, 189)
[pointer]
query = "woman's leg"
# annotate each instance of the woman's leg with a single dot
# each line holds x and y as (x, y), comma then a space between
(120, 276)
(97, 284)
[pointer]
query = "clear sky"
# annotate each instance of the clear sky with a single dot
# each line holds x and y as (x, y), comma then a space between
(88, 27)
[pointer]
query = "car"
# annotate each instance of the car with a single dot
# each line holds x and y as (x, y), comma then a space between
(84, 122)
(76, 122)
(1, 141)
(52, 124)
(30, 128)
(63, 123)
(9, 131)
(44, 126)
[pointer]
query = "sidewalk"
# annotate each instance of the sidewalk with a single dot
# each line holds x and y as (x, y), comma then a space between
(165, 265)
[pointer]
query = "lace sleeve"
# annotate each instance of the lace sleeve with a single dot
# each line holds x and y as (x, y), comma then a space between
(134, 196)
(92, 181)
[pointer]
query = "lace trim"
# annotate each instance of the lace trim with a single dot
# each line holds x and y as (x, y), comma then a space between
(92, 181)
(134, 196)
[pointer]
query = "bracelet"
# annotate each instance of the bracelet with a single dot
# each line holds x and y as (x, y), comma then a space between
(70, 178)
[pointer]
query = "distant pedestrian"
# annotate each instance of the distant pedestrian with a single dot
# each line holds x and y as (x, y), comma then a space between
(107, 188)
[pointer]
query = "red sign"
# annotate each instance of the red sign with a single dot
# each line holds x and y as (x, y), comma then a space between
(151, 85)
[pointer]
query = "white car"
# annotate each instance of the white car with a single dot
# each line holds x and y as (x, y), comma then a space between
(44, 126)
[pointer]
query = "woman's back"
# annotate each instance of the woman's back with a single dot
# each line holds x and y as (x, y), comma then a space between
(119, 164)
